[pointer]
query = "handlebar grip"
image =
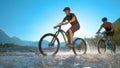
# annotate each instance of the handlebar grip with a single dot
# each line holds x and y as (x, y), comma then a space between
(55, 27)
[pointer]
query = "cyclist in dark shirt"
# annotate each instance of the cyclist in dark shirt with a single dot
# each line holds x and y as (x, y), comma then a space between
(109, 30)
(70, 18)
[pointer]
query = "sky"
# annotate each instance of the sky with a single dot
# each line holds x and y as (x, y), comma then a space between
(30, 19)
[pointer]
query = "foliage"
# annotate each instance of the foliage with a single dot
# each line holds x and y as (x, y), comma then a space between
(117, 31)
(8, 45)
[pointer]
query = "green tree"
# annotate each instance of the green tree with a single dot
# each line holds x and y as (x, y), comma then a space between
(117, 31)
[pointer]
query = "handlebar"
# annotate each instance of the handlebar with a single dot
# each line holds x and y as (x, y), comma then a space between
(103, 32)
(61, 25)
(100, 33)
(57, 26)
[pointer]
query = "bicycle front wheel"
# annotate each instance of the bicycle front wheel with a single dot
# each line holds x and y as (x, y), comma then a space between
(101, 46)
(49, 44)
(80, 46)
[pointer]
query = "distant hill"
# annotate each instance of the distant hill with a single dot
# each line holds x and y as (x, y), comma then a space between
(117, 31)
(4, 38)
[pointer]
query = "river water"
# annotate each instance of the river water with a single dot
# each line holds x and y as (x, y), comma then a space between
(63, 59)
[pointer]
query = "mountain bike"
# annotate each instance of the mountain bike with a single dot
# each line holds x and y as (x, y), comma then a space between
(49, 43)
(104, 44)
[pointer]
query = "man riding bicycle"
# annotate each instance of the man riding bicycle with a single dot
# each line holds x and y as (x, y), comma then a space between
(109, 31)
(72, 19)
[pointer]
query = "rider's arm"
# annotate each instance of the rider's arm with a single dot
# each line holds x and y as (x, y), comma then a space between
(72, 20)
(61, 23)
(99, 29)
(58, 24)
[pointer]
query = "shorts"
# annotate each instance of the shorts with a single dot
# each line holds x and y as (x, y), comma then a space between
(109, 34)
(75, 27)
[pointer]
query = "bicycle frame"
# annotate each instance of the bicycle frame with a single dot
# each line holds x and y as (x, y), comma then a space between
(54, 43)
(63, 33)
(107, 41)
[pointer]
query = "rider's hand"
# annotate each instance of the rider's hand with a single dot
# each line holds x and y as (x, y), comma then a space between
(97, 32)
(55, 26)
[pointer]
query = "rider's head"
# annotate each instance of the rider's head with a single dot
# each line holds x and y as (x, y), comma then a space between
(104, 19)
(66, 10)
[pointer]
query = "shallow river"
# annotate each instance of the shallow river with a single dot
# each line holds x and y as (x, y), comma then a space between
(63, 59)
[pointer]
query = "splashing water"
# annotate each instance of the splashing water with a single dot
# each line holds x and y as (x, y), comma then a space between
(63, 59)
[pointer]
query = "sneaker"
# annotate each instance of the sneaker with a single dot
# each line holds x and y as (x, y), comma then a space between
(69, 45)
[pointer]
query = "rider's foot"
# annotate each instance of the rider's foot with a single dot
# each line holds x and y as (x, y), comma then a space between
(114, 50)
(69, 45)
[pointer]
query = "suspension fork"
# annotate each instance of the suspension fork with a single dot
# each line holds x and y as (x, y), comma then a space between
(54, 38)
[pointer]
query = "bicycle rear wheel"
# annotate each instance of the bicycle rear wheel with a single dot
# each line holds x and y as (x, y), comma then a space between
(49, 44)
(101, 46)
(80, 46)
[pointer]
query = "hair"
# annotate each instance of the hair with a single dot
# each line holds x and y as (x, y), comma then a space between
(104, 19)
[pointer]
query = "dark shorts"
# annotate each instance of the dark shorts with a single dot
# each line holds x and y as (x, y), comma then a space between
(109, 33)
(75, 27)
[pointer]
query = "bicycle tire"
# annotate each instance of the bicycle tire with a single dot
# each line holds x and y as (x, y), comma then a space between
(83, 41)
(41, 40)
(99, 44)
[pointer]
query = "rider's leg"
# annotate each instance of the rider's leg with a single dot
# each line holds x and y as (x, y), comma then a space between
(113, 45)
(112, 42)
(70, 36)
(71, 32)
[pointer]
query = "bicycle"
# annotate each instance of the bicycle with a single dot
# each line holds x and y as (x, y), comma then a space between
(104, 44)
(49, 43)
